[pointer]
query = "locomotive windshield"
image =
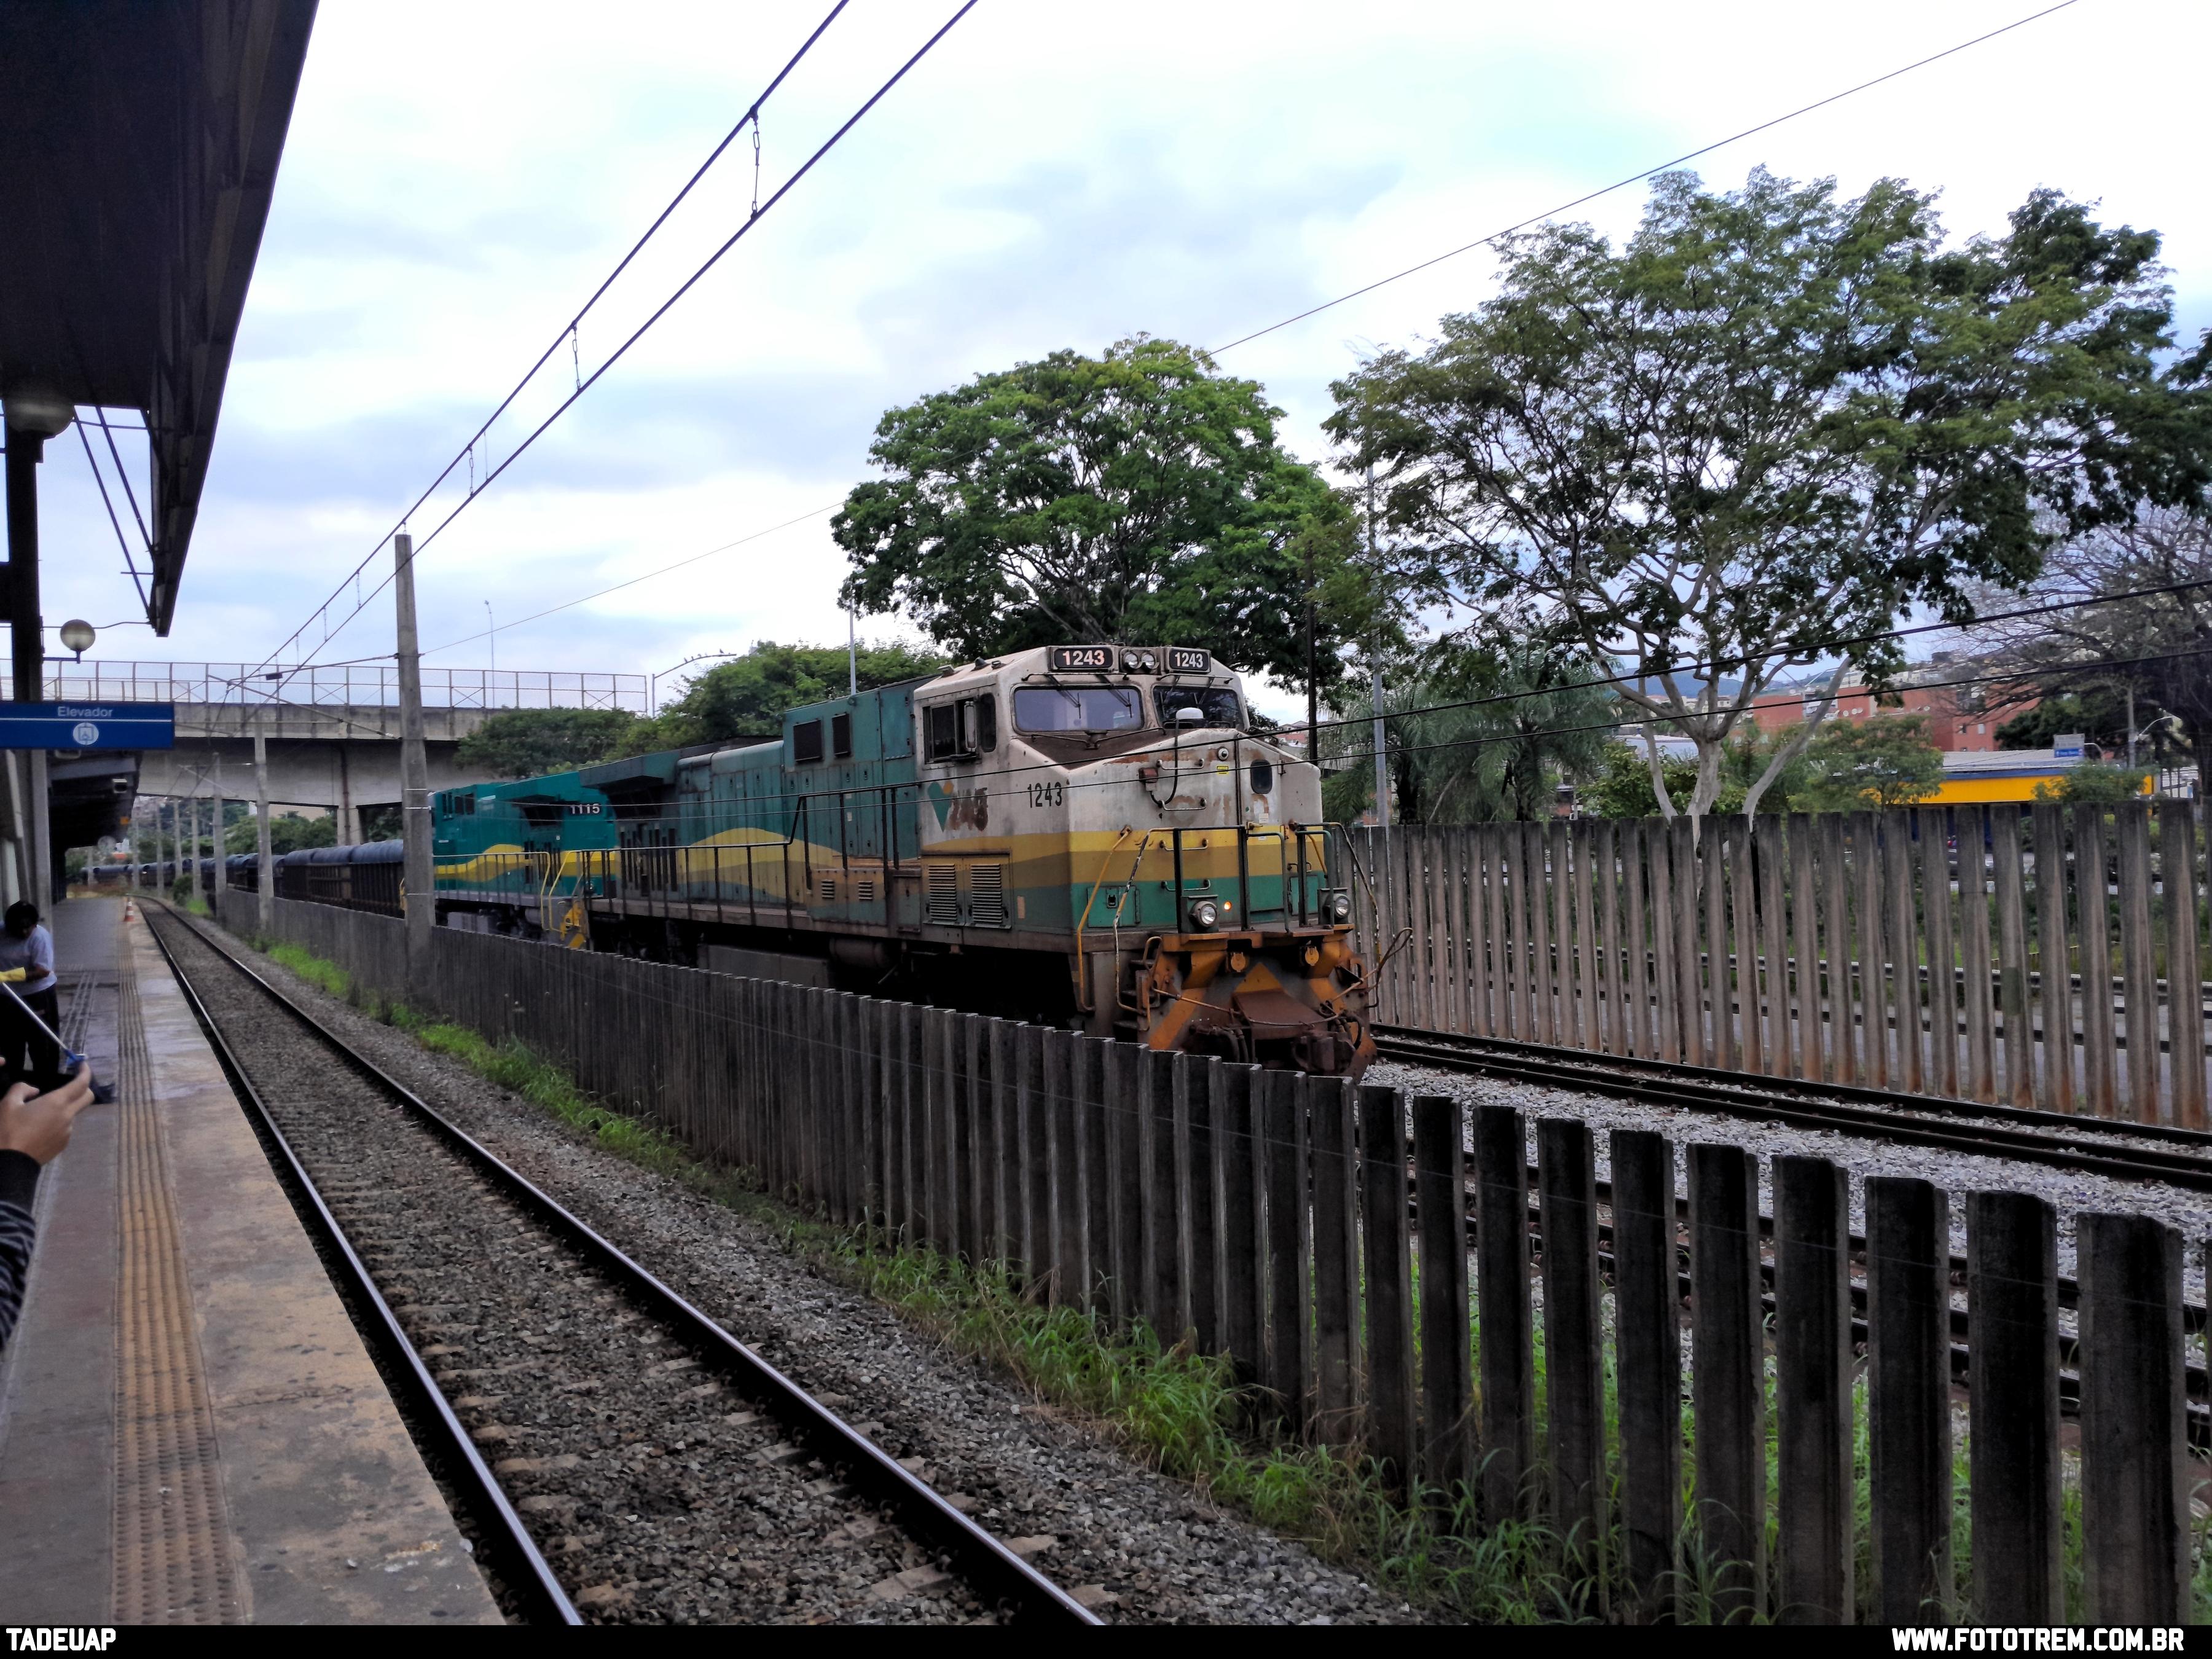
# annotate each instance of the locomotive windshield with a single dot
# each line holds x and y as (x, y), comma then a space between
(1078, 709)
(1217, 704)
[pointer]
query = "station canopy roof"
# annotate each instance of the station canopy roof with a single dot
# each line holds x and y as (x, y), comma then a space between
(138, 149)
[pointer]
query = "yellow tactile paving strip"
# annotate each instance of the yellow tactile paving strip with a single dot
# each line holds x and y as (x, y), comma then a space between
(172, 1564)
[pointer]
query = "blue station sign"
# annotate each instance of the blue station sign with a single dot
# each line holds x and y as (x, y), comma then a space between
(87, 725)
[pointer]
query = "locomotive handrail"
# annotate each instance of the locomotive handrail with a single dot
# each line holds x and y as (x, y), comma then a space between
(1083, 1002)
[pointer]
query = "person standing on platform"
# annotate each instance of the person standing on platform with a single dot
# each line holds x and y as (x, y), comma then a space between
(27, 962)
(33, 1129)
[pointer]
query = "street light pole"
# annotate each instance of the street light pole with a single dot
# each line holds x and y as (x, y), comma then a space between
(652, 682)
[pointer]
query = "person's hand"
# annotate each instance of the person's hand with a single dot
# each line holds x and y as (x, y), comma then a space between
(16, 975)
(37, 1125)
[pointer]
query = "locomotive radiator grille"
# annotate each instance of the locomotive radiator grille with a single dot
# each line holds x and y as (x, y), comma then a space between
(941, 901)
(986, 896)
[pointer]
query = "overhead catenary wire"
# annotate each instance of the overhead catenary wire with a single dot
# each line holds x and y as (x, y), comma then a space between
(632, 581)
(751, 117)
(978, 774)
(1637, 178)
(568, 333)
(1807, 651)
(129, 563)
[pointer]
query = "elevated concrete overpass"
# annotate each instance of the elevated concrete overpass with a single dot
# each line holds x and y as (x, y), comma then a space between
(333, 732)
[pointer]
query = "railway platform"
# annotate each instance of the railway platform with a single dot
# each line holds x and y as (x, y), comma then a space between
(190, 1430)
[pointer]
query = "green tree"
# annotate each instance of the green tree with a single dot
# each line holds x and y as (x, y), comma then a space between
(2096, 713)
(1771, 422)
(288, 832)
(1855, 766)
(748, 696)
(1140, 496)
(524, 742)
(2093, 784)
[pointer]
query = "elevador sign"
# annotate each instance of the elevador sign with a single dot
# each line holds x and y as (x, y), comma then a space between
(87, 725)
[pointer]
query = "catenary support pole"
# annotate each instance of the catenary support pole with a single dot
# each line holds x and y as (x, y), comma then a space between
(265, 851)
(414, 768)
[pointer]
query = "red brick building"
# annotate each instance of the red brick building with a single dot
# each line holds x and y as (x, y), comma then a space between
(1958, 720)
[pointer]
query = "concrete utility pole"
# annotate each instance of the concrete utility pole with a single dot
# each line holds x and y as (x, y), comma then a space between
(1375, 662)
(420, 870)
(266, 909)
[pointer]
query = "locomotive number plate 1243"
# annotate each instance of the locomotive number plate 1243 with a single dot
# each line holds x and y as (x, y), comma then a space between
(1182, 660)
(1081, 657)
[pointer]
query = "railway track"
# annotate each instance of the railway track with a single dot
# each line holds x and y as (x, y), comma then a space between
(2180, 1157)
(621, 1455)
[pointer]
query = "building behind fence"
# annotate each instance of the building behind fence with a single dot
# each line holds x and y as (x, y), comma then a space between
(2038, 956)
(1271, 1216)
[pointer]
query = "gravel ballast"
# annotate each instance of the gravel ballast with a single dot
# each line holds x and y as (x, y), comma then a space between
(1129, 1542)
(2069, 1192)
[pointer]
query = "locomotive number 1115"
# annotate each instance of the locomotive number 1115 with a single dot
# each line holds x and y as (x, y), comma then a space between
(1053, 793)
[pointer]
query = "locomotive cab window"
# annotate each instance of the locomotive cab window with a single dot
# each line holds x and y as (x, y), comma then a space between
(840, 736)
(806, 743)
(1216, 704)
(960, 731)
(1078, 709)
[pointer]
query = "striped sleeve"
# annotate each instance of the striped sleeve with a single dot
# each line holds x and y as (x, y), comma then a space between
(19, 1180)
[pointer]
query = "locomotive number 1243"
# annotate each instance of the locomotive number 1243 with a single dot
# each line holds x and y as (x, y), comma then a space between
(1053, 793)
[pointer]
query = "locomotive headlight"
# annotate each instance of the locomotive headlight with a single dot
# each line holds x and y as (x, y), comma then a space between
(1131, 662)
(1340, 907)
(1205, 915)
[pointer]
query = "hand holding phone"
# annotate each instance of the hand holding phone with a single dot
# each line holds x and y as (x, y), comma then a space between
(37, 1125)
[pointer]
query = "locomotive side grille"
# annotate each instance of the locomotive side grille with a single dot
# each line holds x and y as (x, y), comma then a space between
(863, 890)
(986, 894)
(829, 889)
(941, 902)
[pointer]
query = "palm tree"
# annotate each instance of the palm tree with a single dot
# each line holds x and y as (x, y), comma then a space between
(1481, 736)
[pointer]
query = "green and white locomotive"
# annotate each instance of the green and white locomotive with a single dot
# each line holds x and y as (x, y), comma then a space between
(1088, 835)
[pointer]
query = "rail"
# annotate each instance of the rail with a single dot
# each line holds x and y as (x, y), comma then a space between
(1267, 1215)
(994, 1570)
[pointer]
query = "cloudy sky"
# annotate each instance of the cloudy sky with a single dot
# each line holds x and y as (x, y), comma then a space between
(460, 175)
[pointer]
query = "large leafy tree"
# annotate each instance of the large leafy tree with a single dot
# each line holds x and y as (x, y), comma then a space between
(1140, 496)
(1771, 422)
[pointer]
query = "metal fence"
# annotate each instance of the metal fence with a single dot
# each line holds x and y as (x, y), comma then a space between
(2038, 956)
(1343, 1247)
(343, 684)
